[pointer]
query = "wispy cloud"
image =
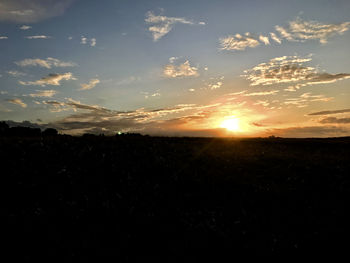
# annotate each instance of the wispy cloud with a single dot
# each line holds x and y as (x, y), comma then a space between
(37, 37)
(3, 37)
(300, 30)
(288, 69)
(16, 73)
(83, 40)
(304, 99)
(25, 27)
(93, 42)
(330, 112)
(239, 42)
(45, 63)
(335, 120)
(43, 93)
(264, 39)
(96, 119)
(17, 102)
(162, 25)
(275, 38)
(52, 79)
(262, 93)
(311, 131)
(182, 70)
(22, 11)
(92, 83)
(216, 85)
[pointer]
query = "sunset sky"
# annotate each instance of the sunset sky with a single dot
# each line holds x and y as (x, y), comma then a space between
(185, 67)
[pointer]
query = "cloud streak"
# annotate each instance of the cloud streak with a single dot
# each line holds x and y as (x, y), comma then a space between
(17, 101)
(37, 37)
(92, 83)
(96, 119)
(52, 79)
(15, 73)
(329, 112)
(43, 93)
(45, 63)
(335, 120)
(25, 27)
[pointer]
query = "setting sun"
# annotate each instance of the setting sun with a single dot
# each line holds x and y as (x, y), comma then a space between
(231, 124)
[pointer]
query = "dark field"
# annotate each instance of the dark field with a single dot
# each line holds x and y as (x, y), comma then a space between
(184, 198)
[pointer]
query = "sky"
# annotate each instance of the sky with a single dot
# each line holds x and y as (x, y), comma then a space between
(177, 68)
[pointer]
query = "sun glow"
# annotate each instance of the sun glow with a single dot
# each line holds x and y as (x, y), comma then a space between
(231, 124)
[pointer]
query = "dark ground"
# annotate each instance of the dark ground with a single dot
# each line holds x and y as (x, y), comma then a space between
(185, 198)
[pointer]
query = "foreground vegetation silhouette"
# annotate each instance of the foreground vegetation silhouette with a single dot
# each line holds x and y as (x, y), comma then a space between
(131, 195)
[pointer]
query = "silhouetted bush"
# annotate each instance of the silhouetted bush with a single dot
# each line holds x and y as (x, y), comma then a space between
(24, 132)
(50, 132)
(3, 128)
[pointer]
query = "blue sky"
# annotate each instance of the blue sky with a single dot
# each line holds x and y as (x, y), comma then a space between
(177, 67)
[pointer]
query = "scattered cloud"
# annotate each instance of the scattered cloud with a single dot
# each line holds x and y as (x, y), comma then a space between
(43, 93)
(92, 83)
(152, 95)
(329, 112)
(24, 11)
(16, 73)
(216, 85)
(37, 37)
(25, 27)
(83, 40)
(182, 70)
(173, 59)
(335, 120)
(162, 25)
(202, 23)
(275, 38)
(288, 69)
(300, 30)
(93, 42)
(45, 63)
(17, 102)
(52, 79)
(3, 37)
(238, 42)
(264, 39)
